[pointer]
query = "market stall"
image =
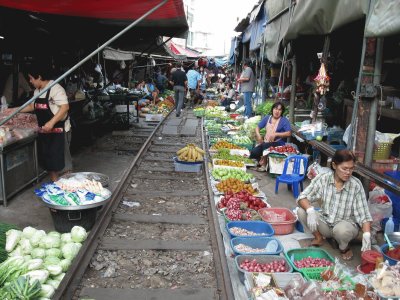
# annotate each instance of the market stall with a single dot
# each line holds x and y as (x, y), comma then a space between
(18, 155)
(263, 264)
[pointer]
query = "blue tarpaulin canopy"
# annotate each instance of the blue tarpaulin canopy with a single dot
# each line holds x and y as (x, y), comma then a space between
(257, 27)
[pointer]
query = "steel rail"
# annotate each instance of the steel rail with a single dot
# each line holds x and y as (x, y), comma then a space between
(220, 257)
(75, 273)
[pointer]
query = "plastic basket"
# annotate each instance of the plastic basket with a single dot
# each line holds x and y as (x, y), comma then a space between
(254, 213)
(259, 227)
(262, 259)
(188, 167)
(382, 151)
(300, 253)
(281, 226)
(259, 242)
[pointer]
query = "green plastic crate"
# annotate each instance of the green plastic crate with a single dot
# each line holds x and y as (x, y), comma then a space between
(300, 253)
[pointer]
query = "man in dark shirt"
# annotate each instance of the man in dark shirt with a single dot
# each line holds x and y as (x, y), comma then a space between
(179, 81)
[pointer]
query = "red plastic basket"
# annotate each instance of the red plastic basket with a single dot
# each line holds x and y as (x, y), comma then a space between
(283, 220)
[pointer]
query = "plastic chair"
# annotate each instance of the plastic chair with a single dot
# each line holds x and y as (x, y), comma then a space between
(295, 179)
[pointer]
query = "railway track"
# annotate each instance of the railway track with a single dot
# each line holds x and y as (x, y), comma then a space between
(156, 238)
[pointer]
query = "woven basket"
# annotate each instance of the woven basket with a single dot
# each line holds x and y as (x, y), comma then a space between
(382, 151)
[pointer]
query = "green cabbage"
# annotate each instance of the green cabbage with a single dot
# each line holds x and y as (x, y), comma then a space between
(70, 250)
(50, 241)
(59, 277)
(78, 234)
(37, 237)
(66, 238)
(28, 232)
(38, 253)
(54, 252)
(65, 264)
(47, 291)
(53, 283)
(54, 270)
(51, 260)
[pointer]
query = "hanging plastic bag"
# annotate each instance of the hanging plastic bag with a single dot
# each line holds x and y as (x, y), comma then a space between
(380, 207)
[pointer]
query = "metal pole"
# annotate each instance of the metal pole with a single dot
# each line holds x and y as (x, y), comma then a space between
(374, 105)
(293, 90)
(352, 143)
(84, 60)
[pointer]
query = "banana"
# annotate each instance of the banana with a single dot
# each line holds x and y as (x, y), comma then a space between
(200, 157)
(182, 150)
(199, 150)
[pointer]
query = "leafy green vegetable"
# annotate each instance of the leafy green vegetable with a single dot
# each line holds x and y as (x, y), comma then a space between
(78, 234)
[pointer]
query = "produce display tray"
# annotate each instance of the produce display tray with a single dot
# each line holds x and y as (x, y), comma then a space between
(262, 259)
(260, 194)
(300, 253)
(258, 242)
(255, 226)
(228, 167)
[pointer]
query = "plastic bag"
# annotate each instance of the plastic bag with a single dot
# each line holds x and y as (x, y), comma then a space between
(347, 134)
(315, 169)
(380, 207)
(379, 204)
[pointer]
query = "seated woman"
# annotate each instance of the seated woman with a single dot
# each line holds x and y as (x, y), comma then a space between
(229, 95)
(277, 130)
(344, 208)
(151, 90)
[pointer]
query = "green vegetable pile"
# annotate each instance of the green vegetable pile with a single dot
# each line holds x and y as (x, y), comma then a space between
(224, 173)
(37, 261)
(225, 154)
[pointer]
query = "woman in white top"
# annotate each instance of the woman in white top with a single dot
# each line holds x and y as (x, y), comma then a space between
(51, 110)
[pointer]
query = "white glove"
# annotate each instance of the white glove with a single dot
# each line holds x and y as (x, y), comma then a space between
(312, 219)
(366, 242)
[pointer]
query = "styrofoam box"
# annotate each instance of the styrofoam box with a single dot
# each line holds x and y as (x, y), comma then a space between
(154, 118)
(276, 165)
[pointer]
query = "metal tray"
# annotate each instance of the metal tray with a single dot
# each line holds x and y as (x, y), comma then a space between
(76, 207)
(102, 178)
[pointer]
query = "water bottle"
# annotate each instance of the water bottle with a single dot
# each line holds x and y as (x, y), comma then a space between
(389, 226)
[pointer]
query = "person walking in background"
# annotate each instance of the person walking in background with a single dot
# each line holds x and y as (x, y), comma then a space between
(194, 80)
(179, 82)
(247, 83)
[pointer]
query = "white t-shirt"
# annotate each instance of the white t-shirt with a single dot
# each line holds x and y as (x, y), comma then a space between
(57, 98)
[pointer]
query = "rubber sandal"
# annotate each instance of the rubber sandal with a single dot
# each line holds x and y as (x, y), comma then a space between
(344, 252)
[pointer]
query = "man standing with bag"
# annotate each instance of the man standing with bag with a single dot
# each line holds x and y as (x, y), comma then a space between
(247, 83)
(179, 82)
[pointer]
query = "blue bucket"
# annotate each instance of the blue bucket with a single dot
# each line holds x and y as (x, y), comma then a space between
(384, 248)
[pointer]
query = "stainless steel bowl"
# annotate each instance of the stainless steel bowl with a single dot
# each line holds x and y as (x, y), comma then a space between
(394, 237)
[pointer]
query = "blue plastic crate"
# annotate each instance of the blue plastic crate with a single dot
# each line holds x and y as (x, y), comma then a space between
(395, 198)
(259, 242)
(255, 226)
